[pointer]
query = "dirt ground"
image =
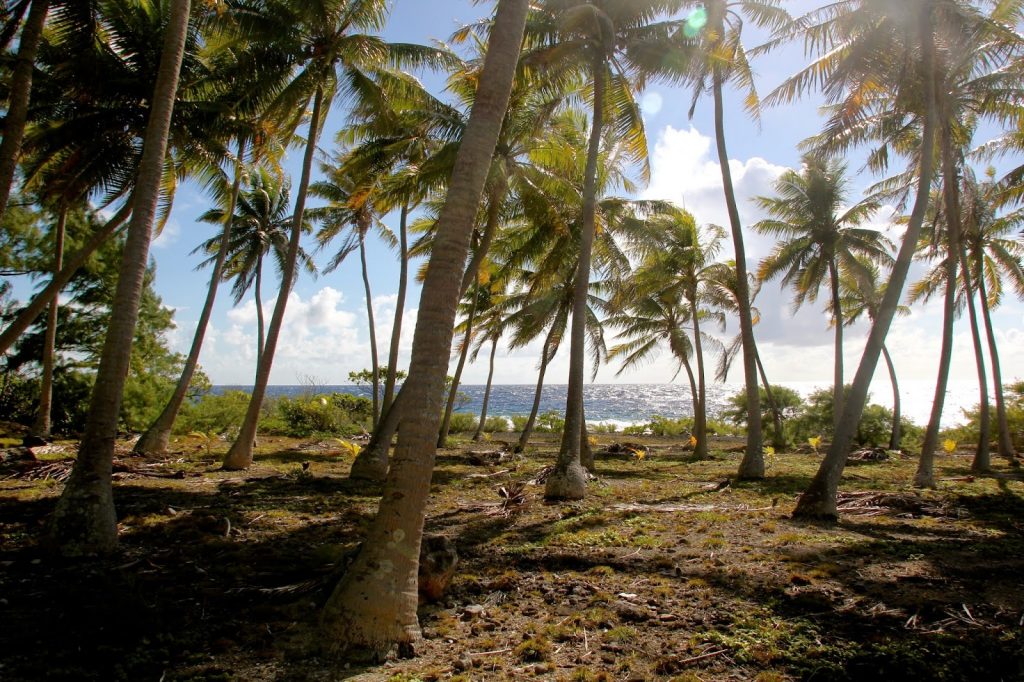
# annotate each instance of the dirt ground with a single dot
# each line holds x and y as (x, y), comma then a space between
(667, 571)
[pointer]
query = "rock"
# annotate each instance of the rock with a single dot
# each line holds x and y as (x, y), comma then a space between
(630, 612)
(438, 560)
(462, 664)
(473, 611)
(21, 454)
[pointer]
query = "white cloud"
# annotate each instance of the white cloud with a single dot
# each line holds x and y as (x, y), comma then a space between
(168, 235)
(685, 169)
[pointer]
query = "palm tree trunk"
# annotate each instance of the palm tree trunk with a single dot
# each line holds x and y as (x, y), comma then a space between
(752, 465)
(18, 99)
(257, 291)
(42, 426)
(84, 521)
(819, 500)
(487, 391)
(374, 360)
(897, 425)
(925, 475)
(154, 441)
(497, 196)
(694, 395)
(239, 456)
(40, 301)
(396, 330)
(586, 453)
(371, 464)
(700, 416)
(375, 609)
(467, 340)
(837, 320)
(531, 421)
(1002, 424)
(569, 481)
(982, 457)
(779, 436)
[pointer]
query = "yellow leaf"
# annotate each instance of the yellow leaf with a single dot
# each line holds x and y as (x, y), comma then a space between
(693, 441)
(949, 445)
(769, 450)
(814, 441)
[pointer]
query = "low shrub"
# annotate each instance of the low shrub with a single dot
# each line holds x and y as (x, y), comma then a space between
(462, 422)
(519, 422)
(220, 413)
(551, 421)
(496, 425)
(603, 427)
(335, 414)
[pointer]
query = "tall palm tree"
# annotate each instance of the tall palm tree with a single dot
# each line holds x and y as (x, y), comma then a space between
(352, 208)
(617, 45)
(819, 238)
(341, 59)
(372, 608)
(879, 48)
(994, 257)
(20, 93)
(42, 424)
(718, 27)
(862, 294)
(84, 521)
(670, 281)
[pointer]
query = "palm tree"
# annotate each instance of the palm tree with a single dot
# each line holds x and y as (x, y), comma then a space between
(84, 521)
(670, 283)
(994, 257)
(862, 294)
(491, 327)
(20, 93)
(352, 208)
(370, 608)
(879, 48)
(723, 59)
(723, 293)
(41, 425)
(617, 45)
(341, 61)
(819, 239)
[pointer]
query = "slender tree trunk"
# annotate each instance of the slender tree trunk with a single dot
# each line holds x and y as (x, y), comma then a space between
(925, 475)
(1006, 448)
(487, 391)
(819, 500)
(371, 464)
(897, 425)
(700, 417)
(154, 441)
(40, 301)
(497, 196)
(982, 457)
(396, 330)
(779, 435)
(837, 320)
(84, 521)
(442, 437)
(239, 456)
(18, 99)
(586, 453)
(374, 360)
(374, 606)
(261, 326)
(694, 395)
(569, 481)
(42, 426)
(531, 421)
(752, 465)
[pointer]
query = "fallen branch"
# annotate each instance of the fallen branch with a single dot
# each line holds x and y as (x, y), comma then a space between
(702, 657)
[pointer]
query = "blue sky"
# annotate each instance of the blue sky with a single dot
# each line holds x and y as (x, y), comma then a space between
(325, 333)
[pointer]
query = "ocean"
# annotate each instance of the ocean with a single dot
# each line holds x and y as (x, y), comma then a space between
(626, 404)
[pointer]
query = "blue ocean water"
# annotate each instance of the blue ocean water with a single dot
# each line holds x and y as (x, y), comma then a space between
(625, 404)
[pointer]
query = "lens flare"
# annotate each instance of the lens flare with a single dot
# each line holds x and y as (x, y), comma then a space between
(697, 20)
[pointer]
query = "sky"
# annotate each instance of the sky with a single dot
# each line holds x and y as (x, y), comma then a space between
(325, 332)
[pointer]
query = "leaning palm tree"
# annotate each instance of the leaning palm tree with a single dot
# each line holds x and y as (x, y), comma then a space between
(618, 45)
(84, 521)
(717, 27)
(352, 209)
(371, 608)
(340, 59)
(819, 239)
(880, 47)
(675, 257)
(862, 294)
(996, 259)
